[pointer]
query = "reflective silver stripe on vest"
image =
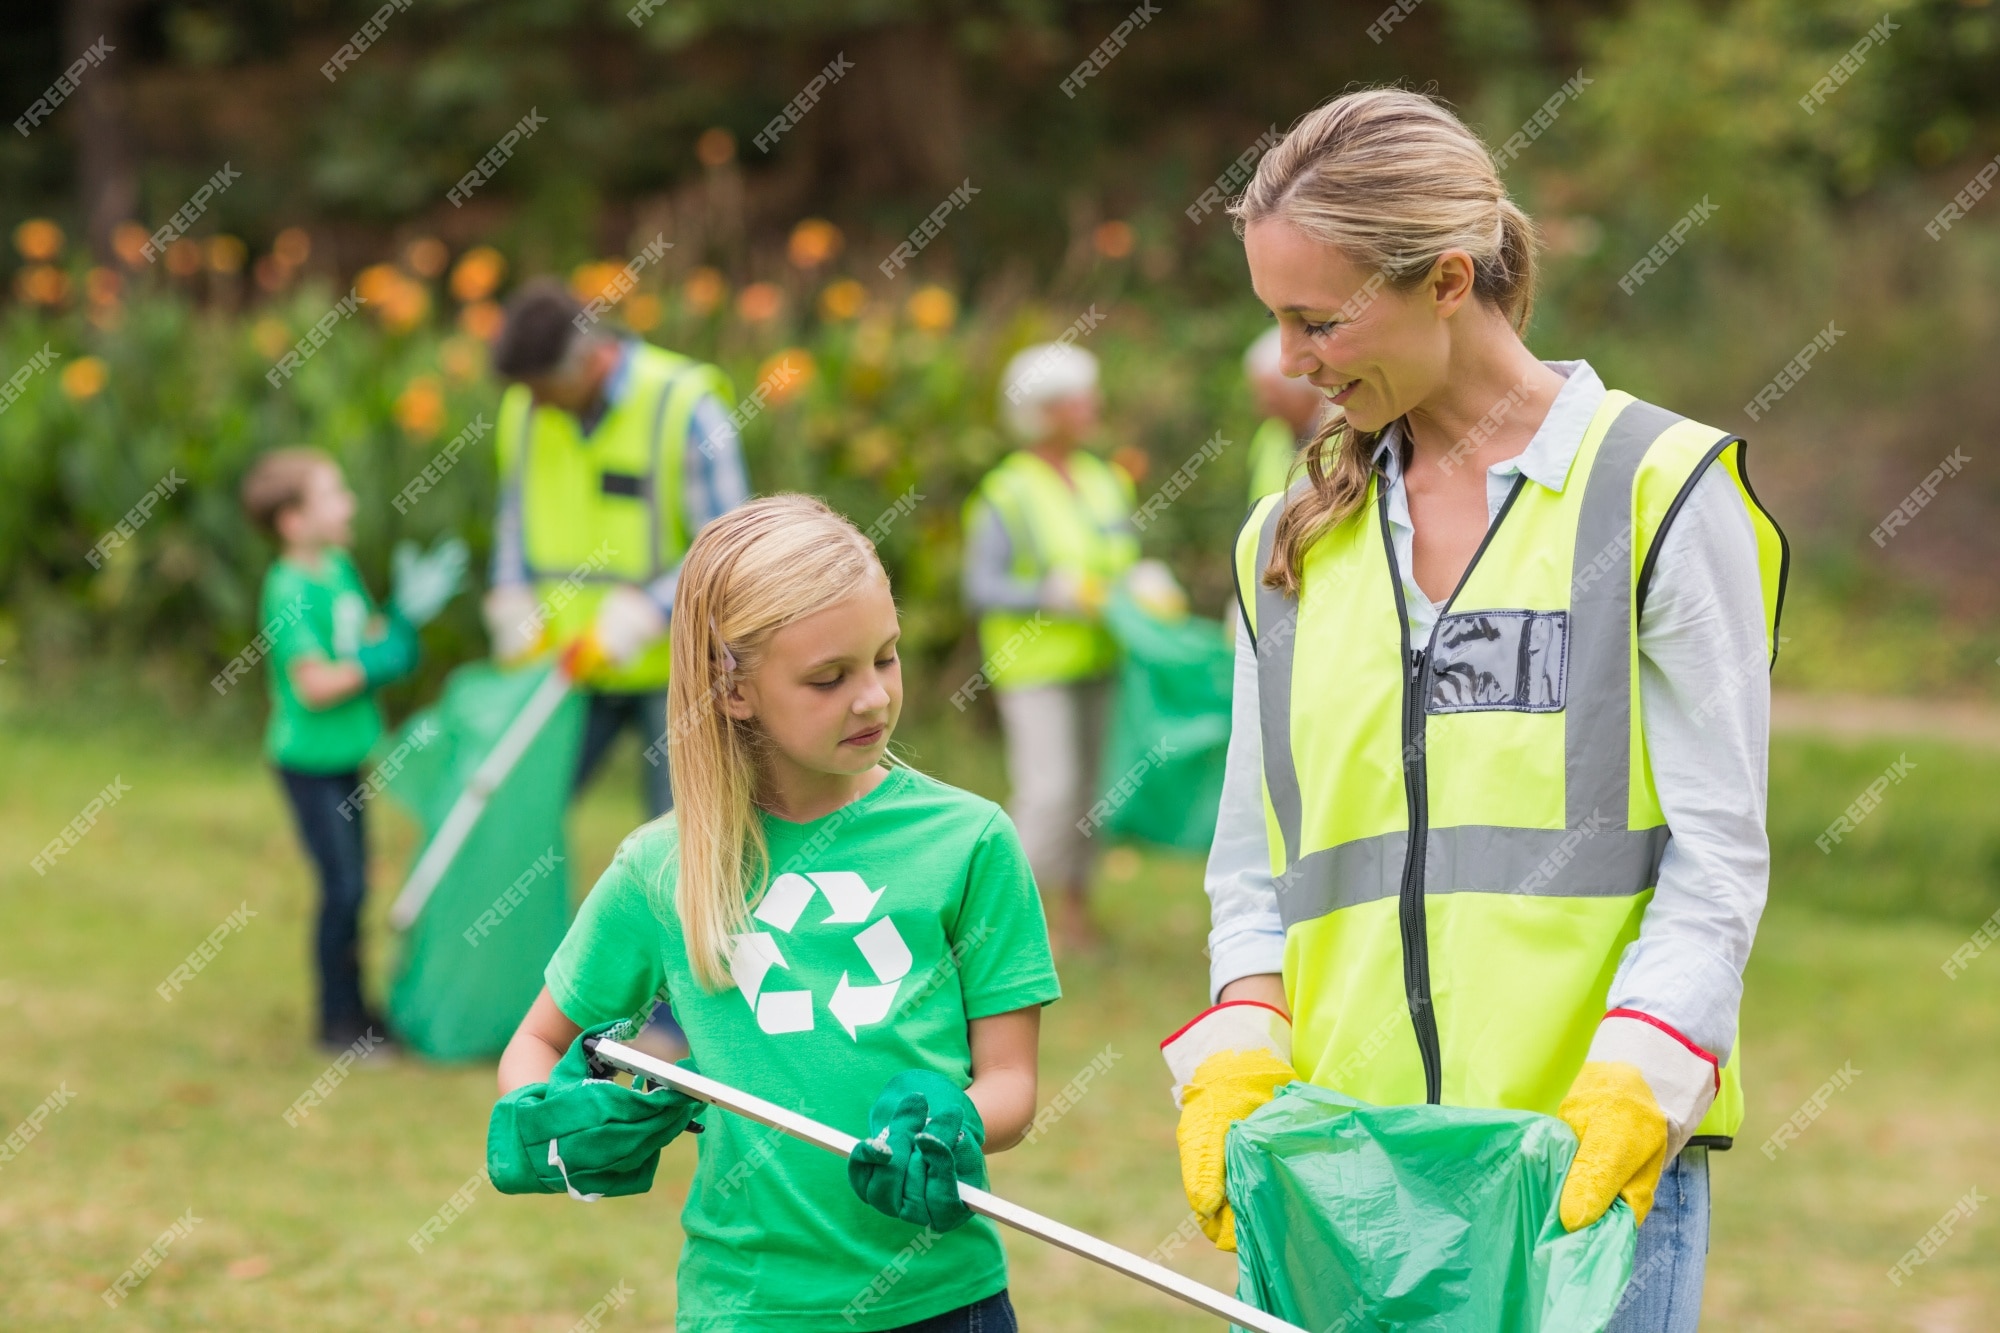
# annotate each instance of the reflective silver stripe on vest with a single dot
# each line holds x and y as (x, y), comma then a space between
(1586, 862)
(1597, 734)
(1277, 631)
(1595, 854)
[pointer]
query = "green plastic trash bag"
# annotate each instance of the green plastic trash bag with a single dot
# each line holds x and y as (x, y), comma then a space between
(472, 961)
(1169, 734)
(1353, 1218)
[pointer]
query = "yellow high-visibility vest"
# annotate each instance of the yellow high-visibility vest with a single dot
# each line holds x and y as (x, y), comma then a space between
(1052, 524)
(606, 509)
(1465, 832)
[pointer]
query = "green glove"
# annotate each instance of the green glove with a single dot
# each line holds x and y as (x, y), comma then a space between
(581, 1134)
(392, 656)
(420, 585)
(924, 1137)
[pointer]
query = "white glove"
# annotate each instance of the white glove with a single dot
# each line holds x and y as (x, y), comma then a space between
(628, 621)
(516, 625)
(421, 584)
(1233, 1025)
(1153, 586)
(1683, 1080)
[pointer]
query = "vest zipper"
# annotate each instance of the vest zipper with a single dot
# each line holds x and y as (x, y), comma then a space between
(1416, 930)
(1411, 912)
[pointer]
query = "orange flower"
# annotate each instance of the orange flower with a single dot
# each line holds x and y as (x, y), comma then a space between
(932, 309)
(375, 283)
(83, 378)
(587, 282)
(704, 290)
(420, 407)
(102, 285)
(814, 241)
(39, 240)
(292, 246)
(426, 256)
(128, 242)
(41, 284)
(271, 273)
(1136, 462)
(477, 273)
(715, 147)
(760, 301)
(405, 306)
(184, 258)
(226, 254)
(642, 312)
(1113, 239)
(842, 300)
(785, 375)
(397, 300)
(483, 320)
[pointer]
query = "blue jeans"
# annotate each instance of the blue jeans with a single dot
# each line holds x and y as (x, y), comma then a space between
(338, 849)
(609, 714)
(1665, 1292)
(995, 1314)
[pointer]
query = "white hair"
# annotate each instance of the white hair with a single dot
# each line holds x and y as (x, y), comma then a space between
(1262, 357)
(1039, 375)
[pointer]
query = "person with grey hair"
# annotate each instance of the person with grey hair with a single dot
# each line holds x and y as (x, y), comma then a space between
(1048, 533)
(1290, 411)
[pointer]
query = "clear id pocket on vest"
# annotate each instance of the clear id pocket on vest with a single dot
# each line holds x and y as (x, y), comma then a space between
(1499, 661)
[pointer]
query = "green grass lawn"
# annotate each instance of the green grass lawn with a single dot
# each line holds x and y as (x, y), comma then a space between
(178, 1107)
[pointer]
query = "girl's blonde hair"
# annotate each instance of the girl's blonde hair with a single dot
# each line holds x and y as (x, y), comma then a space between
(1391, 179)
(751, 572)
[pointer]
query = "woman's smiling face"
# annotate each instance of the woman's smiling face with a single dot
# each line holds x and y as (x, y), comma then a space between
(1374, 351)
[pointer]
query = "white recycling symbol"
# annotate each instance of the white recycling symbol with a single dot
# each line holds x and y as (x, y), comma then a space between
(851, 902)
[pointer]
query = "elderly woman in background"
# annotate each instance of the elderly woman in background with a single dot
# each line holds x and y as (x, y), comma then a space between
(1048, 533)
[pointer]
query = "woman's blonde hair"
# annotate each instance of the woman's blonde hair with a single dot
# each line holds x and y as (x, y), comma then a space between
(749, 574)
(1391, 179)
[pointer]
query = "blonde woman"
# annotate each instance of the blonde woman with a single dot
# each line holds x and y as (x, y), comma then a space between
(836, 932)
(1493, 825)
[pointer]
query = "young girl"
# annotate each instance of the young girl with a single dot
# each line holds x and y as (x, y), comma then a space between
(835, 931)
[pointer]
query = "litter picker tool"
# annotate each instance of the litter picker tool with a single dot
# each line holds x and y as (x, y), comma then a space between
(702, 1088)
(471, 803)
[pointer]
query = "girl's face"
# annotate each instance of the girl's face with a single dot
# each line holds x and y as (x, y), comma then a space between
(1373, 351)
(830, 687)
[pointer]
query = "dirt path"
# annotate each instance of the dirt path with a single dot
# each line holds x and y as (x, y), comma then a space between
(1965, 722)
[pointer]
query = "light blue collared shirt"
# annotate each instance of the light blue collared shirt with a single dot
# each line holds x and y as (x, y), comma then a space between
(1705, 696)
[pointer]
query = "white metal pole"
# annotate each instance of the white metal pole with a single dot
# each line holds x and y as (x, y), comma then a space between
(1157, 1276)
(479, 789)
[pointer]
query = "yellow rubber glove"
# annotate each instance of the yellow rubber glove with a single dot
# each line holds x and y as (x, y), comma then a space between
(1226, 1087)
(1622, 1142)
(1641, 1094)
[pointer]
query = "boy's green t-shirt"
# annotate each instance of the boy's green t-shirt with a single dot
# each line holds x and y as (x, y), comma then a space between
(316, 613)
(887, 926)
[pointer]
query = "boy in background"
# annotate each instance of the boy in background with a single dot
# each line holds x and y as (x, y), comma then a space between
(331, 650)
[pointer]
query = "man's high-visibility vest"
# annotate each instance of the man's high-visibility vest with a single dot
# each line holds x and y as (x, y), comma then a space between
(1272, 451)
(605, 509)
(1082, 526)
(1465, 832)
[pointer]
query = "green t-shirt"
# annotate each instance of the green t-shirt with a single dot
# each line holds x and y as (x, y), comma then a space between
(316, 613)
(888, 925)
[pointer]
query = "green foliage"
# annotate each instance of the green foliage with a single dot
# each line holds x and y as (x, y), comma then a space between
(888, 413)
